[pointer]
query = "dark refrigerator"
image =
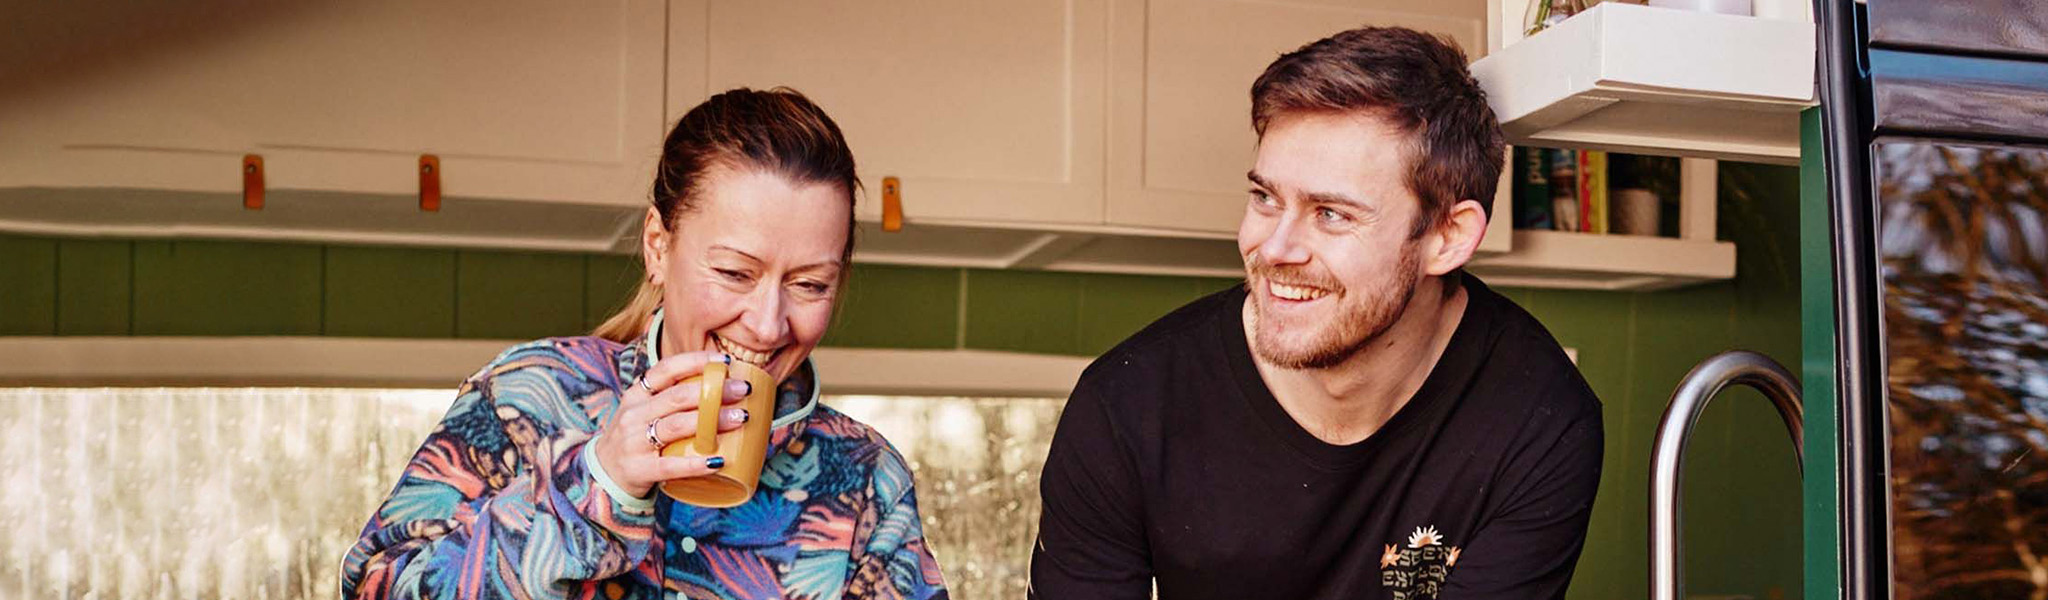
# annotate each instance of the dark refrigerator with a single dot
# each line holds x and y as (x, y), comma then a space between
(1934, 126)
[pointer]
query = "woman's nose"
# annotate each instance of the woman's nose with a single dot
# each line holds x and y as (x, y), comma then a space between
(764, 316)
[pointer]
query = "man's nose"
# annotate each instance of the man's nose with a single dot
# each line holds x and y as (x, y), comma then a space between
(1284, 246)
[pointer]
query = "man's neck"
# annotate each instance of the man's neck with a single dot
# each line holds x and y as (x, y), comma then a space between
(1348, 402)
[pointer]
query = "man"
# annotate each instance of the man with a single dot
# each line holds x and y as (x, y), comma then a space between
(1360, 419)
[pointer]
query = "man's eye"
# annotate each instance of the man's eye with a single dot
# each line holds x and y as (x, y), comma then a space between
(1263, 199)
(1328, 215)
(732, 275)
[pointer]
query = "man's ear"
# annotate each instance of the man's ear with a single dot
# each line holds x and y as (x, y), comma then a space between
(1452, 242)
(654, 241)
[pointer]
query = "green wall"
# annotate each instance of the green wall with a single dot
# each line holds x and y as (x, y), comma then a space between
(1743, 487)
(54, 286)
(1742, 483)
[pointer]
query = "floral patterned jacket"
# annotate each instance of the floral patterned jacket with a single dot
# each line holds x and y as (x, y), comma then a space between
(504, 501)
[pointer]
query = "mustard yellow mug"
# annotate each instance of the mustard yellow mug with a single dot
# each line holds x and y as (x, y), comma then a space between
(744, 449)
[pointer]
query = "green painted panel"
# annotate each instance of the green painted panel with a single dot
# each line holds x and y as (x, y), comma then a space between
(1210, 285)
(390, 292)
(518, 295)
(1115, 306)
(1597, 326)
(1822, 481)
(1731, 547)
(227, 288)
(28, 286)
(886, 306)
(609, 282)
(1759, 212)
(94, 286)
(1024, 311)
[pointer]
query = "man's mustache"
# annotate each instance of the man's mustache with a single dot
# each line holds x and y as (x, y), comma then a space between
(1293, 276)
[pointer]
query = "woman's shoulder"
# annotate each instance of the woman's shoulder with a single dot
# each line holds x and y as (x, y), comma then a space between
(861, 447)
(849, 436)
(826, 422)
(587, 359)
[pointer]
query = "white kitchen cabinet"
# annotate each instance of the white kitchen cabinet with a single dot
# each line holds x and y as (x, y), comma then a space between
(1180, 135)
(546, 119)
(1180, 120)
(524, 100)
(1080, 135)
(990, 113)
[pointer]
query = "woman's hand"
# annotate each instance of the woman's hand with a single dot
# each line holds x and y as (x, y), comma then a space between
(623, 448)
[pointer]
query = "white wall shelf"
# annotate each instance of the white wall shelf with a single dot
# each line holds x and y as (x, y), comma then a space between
(1646, 80)
(1615, 262)
(1557, 259)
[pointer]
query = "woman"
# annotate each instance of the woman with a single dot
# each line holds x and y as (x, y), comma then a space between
(540, 481)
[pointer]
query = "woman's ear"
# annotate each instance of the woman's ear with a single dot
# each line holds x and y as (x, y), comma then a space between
(654, 241)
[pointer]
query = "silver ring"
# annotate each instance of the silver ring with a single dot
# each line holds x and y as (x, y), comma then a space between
(644, 386)
(655, 441)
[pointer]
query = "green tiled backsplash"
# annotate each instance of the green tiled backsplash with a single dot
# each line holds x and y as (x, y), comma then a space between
(1744, 521)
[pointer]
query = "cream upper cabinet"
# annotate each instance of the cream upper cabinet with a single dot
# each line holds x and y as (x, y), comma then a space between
(522, 100)
(1180, 134)
(990, 112)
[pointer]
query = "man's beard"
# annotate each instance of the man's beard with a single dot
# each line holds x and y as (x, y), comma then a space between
(1356, 326)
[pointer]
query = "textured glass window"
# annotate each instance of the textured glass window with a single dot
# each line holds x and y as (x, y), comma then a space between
(1964, 247)
(977, 462)
(195, 492)
(257, 492)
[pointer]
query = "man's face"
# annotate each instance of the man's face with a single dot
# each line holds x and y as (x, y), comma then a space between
(1325, 238)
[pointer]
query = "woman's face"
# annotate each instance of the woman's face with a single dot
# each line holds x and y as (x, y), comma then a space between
(753, 271)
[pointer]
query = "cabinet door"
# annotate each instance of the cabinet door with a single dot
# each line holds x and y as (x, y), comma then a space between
(990, 112)
(1180, 100)
(521, 99)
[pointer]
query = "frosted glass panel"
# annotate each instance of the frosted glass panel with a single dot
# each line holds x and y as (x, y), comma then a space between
(256, 493)
(977, 462)
(194, 493)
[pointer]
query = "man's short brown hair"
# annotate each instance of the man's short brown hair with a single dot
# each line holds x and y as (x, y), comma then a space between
(1418, 83)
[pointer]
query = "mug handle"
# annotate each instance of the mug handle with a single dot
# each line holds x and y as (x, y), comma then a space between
(711, 393)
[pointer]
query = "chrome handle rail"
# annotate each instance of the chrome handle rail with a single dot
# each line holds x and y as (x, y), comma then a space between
(1667, 458)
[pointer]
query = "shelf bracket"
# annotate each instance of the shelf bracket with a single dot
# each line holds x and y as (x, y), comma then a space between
(1698, 193)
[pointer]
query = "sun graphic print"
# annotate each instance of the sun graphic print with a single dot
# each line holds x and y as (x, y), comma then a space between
(1417, 569)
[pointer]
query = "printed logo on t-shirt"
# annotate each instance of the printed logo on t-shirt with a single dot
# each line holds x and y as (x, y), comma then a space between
(1417, 570)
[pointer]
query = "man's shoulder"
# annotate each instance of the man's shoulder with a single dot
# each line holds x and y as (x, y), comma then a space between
(1530, 364)
(1176, 341)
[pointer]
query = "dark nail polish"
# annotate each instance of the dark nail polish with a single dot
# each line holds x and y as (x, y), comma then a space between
(725, 358)
(745, 415)
(750, 388)
(715, 462)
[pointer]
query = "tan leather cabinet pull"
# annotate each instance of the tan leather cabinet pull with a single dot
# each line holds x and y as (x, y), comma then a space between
(892, 204)
(430, 183)
(252, 181)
